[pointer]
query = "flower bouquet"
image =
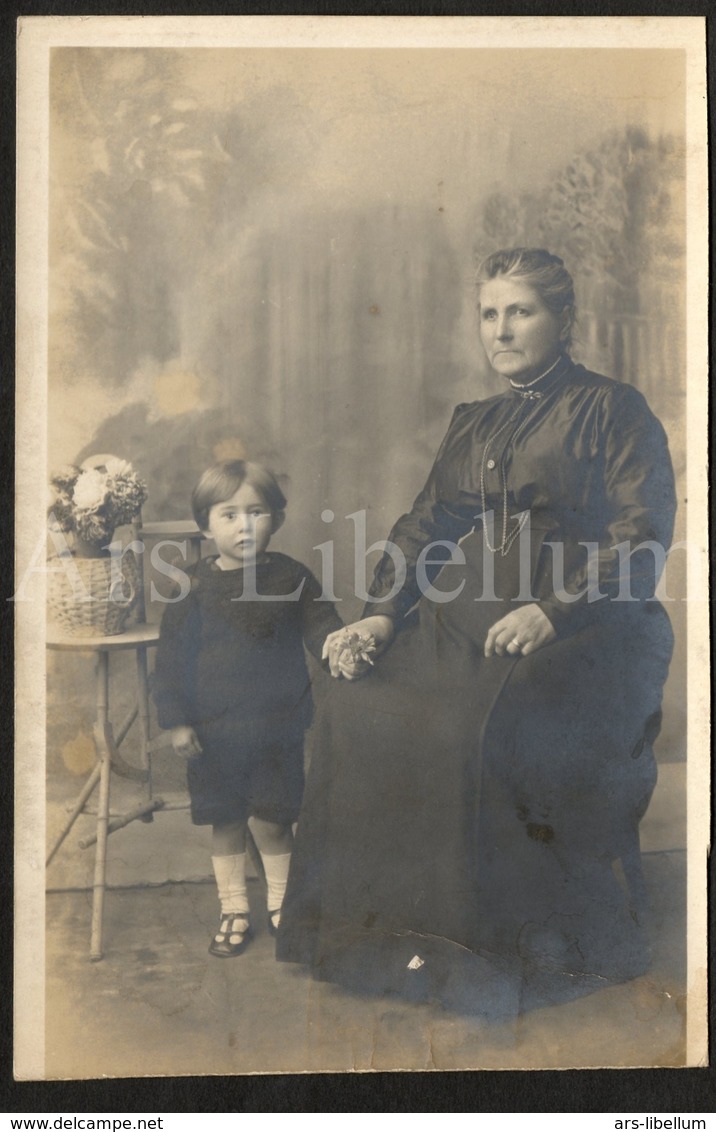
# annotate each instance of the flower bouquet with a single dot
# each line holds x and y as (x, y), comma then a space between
(93, 587)
(91, 501)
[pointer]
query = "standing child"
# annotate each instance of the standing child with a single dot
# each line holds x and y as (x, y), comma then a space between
(232, 685)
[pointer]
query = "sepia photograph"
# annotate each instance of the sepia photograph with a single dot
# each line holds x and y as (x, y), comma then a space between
(362, 574)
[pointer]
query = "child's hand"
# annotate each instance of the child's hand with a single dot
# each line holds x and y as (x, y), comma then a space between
(351, 651)
(185, 742)
(353, 667)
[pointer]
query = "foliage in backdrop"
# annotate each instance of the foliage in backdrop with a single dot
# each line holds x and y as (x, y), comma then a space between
(330, 339)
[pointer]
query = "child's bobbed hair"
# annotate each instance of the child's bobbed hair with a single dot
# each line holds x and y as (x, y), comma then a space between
(222, 480)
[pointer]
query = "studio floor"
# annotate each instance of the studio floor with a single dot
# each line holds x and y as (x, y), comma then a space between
(159, 1004)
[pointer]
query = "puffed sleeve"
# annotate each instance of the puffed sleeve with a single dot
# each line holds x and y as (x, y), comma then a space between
(430, 519)
(636, 511)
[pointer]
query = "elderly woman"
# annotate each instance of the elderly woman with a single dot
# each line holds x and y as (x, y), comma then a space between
(470, 830)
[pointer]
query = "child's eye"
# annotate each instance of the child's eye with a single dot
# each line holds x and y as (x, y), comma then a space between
(489, 315)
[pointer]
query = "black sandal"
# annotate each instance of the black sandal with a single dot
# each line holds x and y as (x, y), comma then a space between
(230, 939)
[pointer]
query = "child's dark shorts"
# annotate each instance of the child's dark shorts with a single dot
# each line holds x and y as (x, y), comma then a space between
(239, 776)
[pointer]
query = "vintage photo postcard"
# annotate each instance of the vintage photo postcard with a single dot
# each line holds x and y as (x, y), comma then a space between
(362, 576)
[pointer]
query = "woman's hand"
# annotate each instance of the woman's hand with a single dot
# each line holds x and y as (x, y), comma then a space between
(340, 661)
(521, 632)
(185, 742)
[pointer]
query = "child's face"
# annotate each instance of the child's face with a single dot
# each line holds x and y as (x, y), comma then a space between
(241, 527)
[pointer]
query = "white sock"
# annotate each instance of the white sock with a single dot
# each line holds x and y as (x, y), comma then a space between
(276, 869)
(230, 873)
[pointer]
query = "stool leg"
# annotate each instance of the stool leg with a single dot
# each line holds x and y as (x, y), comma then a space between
(100, 861)
(143, 712)
(77, 810)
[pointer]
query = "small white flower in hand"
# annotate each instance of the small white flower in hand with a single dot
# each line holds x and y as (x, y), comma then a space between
(356, 647)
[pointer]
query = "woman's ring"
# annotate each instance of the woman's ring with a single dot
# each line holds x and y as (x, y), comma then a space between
(516, 641)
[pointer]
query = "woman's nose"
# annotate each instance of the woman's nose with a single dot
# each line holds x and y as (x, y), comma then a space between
(503, 330)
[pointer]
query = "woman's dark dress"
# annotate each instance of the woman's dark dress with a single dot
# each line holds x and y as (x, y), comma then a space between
(463, 814)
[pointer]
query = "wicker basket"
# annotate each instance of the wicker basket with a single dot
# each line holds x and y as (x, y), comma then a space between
(92, 597)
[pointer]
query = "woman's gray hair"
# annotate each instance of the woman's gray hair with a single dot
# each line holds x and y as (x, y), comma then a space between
(537, 268)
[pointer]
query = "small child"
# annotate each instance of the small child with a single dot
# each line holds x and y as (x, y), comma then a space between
(232, 684)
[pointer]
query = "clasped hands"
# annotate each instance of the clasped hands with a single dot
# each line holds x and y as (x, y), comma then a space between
(351, 651)
(520, 632)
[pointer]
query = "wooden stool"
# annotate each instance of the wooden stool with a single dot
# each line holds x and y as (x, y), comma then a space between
(138, 638)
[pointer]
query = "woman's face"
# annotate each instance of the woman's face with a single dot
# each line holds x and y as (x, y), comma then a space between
(521, 336)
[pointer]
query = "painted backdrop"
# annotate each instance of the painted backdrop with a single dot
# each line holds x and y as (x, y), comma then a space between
(269, 253)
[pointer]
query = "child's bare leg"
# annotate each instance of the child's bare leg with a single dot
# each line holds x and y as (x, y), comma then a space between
(271, 838)
(274, 842)
(228, 839)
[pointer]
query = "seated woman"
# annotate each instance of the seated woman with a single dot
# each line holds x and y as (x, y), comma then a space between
(467, 802)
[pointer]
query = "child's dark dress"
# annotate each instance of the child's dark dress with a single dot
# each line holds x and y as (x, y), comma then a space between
(235, 670)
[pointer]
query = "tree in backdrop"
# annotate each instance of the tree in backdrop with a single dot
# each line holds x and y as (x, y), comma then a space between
(146, 183)
(614, 213)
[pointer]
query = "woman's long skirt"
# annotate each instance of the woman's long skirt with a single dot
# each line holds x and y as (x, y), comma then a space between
(463, 815)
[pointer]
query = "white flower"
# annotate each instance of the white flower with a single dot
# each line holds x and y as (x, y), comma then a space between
(90, 491)
(117, 467)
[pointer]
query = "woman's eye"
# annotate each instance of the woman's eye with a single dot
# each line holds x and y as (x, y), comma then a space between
(489, 316)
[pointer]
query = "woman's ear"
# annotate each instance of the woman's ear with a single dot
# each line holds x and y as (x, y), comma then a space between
(278, 518)
(566, 321)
